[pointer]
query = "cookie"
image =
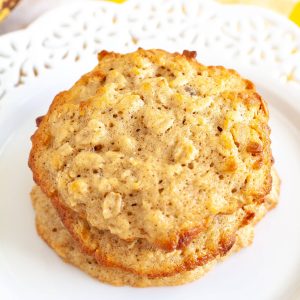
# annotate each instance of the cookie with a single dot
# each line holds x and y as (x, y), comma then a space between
(154, 147)
(51, 229)
(141, 258)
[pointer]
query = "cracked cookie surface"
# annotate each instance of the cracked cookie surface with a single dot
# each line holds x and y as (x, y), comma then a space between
(154, 146)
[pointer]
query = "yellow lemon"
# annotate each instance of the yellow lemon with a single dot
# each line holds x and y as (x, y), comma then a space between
(295, 14)
(282, 6)
(117, 1)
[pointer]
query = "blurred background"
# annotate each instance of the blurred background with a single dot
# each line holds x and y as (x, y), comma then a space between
(17, 14)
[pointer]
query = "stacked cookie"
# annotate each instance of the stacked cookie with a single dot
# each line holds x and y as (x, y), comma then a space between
(152, 168)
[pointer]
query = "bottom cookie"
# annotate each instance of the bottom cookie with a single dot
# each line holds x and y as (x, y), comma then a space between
(53, 232)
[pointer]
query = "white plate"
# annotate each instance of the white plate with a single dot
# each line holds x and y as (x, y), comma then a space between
(270, 268)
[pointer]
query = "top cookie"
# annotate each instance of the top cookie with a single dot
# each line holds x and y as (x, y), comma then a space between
(154, 145)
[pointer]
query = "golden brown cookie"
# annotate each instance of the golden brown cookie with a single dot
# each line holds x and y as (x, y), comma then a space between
(154, 147)
(141, 258)
(51, 229)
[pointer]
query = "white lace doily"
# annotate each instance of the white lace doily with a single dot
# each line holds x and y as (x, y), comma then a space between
(230, 35)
